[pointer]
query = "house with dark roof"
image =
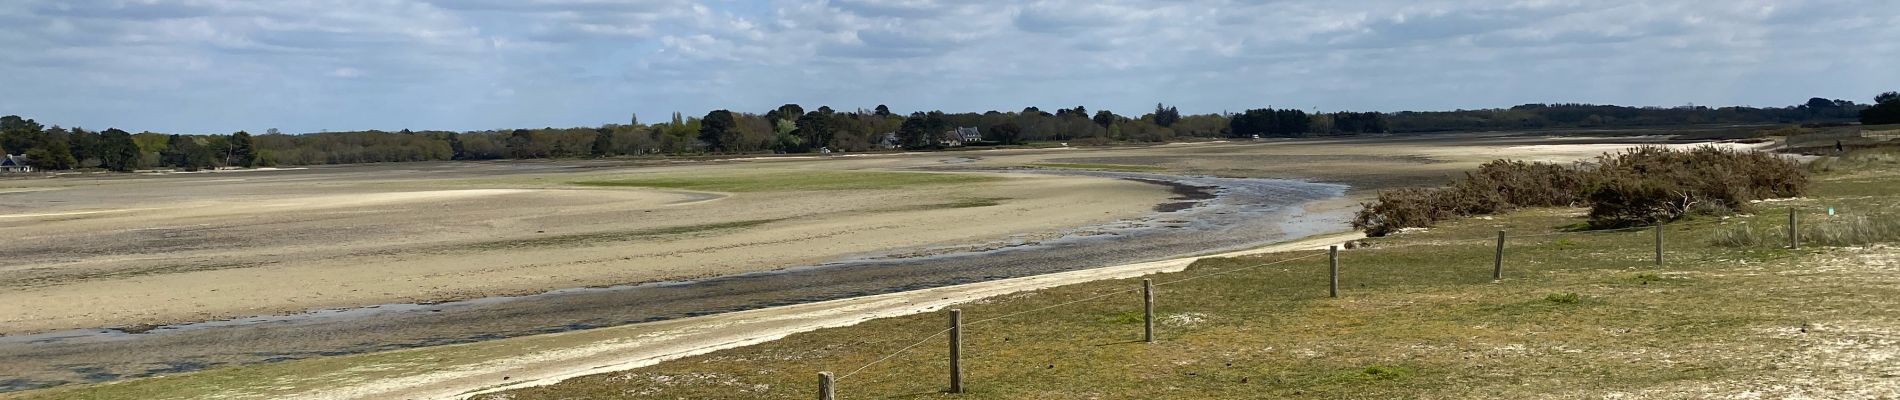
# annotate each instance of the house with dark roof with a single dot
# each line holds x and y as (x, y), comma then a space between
(961, 136)
(969, 134)
(14, 163)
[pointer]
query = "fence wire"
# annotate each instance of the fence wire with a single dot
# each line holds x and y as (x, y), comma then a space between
(894, 354)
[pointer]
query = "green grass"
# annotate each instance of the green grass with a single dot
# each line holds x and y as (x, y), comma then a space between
(1579, 314)
(1563, 298)
(1101, 167)
(792, 181)
(973, 202)
(582, 239)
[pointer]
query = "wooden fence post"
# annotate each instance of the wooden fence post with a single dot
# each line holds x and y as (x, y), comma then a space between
(825, 390)
(956, 351)
(1148, 310)
(1794, 233)
(1332, 263)
(1497, 263)
(1659, 244)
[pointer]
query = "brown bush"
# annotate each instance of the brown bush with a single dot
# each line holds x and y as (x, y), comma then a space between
(1636, 187)
(1650, 184)
(1496, 186)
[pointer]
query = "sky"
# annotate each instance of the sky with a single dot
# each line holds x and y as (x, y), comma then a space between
(218, 66)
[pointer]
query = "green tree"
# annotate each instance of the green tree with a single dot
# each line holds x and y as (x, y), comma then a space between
(184, 151)
(787, 112)
(86, 147)
(1886, 110)
(914, 132)
(17, 135)
(242, 150)
(1166, 116)
(521, 144)
(1010, 133)
(814, 130)
(719, 130)
(118, 152)
(51, 154)
(603, 142)
(1105, 118)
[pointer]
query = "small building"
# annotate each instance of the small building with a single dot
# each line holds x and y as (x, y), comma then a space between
(969, 134)
(961, 136)
(14, 163)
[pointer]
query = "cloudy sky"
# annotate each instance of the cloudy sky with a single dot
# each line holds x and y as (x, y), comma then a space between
(306, 65)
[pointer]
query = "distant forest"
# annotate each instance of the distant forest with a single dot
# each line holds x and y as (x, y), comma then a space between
(792, 129)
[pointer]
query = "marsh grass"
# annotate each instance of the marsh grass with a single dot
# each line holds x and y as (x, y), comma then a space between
(1102, 167)
(792, 181)
(1824, 231)
(974, 202)
(1563, 298)
(582, 239)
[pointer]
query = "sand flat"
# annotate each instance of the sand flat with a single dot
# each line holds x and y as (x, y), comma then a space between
(261, 248)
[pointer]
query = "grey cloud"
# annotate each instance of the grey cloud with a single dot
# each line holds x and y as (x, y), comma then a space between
(497, 63)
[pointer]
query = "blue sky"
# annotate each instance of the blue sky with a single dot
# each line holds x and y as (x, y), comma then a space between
(206, 66)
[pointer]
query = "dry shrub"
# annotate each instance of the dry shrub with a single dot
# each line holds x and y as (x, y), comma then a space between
(1496, 186)
(1640, 186)
(1646, 185)
(1399, 209)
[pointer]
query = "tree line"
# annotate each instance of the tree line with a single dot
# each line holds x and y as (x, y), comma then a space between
(791, 128)
(1886, 110)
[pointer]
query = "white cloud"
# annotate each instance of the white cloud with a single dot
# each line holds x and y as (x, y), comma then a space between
(223, 65)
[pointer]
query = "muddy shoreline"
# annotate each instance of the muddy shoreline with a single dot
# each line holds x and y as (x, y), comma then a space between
(1210, 215)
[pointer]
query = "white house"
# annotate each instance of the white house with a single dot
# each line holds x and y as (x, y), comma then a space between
(14, 163)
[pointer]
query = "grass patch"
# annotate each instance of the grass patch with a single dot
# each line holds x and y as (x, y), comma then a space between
(582, 239)
(1379, 373)
(793, 181)
(1563, 298)
(1645, 279)
(1125, 318)
(1825, 231)
(974, 202)
(1101, 167)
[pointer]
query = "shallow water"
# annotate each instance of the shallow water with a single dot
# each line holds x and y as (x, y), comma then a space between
(1241, 213)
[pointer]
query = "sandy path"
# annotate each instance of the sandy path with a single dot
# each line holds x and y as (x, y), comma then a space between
(547, 359)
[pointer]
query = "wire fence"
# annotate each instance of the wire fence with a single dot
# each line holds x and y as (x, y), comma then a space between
(827, 383)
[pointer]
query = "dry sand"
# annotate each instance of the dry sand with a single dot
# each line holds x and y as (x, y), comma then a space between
(114, 250)
(99, 254)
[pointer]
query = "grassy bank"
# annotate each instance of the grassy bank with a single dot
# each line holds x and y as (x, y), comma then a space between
(1101, 167)
(791, 180)
(1582, 314)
